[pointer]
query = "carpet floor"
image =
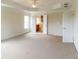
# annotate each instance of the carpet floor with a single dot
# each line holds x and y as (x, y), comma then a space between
(37, 46)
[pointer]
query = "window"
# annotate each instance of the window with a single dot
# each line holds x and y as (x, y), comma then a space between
(26, 22)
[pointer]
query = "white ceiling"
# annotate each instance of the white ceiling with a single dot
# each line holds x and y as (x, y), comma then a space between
(42, 5)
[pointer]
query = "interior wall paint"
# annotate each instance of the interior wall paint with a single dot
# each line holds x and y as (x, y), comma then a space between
(75, 4)
(76, 32)
(33, 24)
(55, 23)
(12, 22)
(45, 24)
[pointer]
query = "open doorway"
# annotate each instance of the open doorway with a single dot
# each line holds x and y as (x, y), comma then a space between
(39, 24)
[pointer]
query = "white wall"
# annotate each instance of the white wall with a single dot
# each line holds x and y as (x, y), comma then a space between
(55, 23)
(76, 23)
(12, 22)
(45, 24)
(76, 32)
(33, 24)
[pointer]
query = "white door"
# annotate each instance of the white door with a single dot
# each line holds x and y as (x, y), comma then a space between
(45, 24)
(67, 27)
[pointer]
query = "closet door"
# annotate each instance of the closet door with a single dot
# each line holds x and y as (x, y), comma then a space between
(68, 27)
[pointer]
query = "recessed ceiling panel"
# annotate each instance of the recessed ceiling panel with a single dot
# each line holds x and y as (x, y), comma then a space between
(44, 5)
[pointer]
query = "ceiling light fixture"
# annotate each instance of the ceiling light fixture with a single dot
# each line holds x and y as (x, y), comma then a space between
(34, 3)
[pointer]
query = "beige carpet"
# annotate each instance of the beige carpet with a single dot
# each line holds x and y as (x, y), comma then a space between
(37, 46)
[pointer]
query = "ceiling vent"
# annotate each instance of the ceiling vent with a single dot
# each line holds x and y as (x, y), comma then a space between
(66, 5)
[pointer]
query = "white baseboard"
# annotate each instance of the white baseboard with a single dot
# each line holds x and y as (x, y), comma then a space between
(68, 42)
(76, 47)
(14, 36)
(55, 35)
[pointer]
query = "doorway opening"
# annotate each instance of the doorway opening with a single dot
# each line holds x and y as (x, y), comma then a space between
(39, 24)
